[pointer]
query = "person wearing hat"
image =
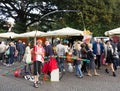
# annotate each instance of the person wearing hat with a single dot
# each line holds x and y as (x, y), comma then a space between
(38, 59)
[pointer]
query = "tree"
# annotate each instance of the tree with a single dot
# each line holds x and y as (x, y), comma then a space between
(2, 26)
(25, 12)
(97, 16)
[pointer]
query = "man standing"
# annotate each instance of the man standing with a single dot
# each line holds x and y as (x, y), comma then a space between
(98, 50)
(2, 51)
(48, 49)
(21, 50)
(60, 50)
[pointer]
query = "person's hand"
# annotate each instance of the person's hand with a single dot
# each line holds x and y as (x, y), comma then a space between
(104, 59)
(94, 56)
(78, 58)
(36, 53)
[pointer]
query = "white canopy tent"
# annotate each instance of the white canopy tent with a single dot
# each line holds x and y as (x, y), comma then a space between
(32, 34)
(65, 32)
(113, 32)
(8, 35)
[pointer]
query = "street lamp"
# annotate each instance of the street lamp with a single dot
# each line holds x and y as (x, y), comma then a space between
(56, 12)
(83, 21)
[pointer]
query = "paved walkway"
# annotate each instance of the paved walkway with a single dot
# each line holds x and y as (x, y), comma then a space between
(105, 82)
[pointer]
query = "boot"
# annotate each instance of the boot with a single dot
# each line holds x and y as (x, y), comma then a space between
(35, 85)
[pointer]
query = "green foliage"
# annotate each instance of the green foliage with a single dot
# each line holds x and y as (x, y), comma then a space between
(97, 16)
(2, 27)
(20, 26)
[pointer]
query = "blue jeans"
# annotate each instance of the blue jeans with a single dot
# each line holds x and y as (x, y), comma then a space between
(116, 63)
(78, 70)
(20, 56)
(10, 59)
(27, 69)
(60, 63)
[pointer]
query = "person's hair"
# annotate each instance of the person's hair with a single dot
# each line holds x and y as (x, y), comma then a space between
(107, 41)
(77, 46)
(39, 41)
(83, 45)
(59, 41)
(27, 44)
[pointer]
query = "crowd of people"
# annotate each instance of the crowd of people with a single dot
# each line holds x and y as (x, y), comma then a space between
(98, 52)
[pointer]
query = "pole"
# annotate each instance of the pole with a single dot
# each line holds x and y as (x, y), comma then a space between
(83, 20)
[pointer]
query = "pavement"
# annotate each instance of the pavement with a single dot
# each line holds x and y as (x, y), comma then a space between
(69, 82)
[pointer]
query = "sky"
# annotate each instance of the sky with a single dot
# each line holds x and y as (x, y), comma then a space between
(11, 20)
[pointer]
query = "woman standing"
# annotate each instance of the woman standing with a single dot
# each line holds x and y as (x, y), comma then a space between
(77, 54)
(38, 59)
(11, 55)
(27, 60)
(92, 58)
(109, 57)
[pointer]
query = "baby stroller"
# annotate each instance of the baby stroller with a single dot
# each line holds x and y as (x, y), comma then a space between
(50, 66)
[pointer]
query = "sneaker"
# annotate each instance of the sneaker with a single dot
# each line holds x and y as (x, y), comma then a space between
(80, 76)
(27, 77)
(32, 77)
(32, 80)
(39, 82)
(35, 85)
(12, 63)
(4, 64)
(7, 65)
(63, 70)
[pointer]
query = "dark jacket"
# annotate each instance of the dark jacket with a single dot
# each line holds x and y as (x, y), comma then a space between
(48, 50)
(90, 55)
(77, 54)
(12, 50)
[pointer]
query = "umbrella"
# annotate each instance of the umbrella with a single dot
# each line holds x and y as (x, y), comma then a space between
(65, 32)
(32, 34)
(8, 35)
(113, 32)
